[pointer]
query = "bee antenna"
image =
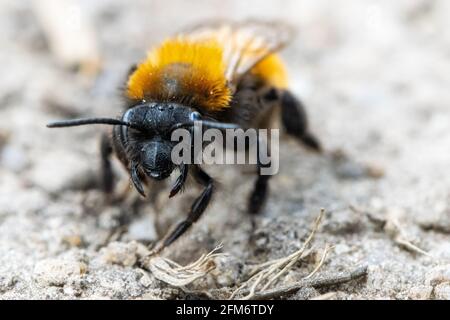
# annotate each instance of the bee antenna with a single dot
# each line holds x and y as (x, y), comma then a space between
(218, 125)
(206, 123)
(82, 122)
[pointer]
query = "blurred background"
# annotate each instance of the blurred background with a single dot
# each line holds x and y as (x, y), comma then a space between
(374, 77)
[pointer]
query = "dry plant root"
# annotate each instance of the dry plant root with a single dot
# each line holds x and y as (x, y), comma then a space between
(268, 273)
(262, 278)
(176, 275)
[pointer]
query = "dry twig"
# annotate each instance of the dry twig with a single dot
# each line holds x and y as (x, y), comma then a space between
(321, 282)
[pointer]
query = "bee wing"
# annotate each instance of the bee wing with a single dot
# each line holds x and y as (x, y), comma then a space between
(244, 44)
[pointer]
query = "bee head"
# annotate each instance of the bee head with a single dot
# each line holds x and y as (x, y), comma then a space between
(155, 159)
(150, 131)
(145, 131)
(148, 137)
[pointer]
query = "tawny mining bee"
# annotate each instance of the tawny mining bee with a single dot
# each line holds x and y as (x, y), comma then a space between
(220, 75)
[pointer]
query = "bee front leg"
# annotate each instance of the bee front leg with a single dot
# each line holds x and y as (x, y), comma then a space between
(197, 209)
(295, 121)
(134, 174)
(184, 169)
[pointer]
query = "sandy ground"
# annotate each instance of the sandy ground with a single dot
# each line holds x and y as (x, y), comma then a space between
(374, 76)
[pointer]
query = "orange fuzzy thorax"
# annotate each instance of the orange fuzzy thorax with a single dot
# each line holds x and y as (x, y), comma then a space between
(182, 71)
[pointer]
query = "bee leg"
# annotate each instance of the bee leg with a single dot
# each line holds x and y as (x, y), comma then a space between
(197, 209)
(295, 121)
(136, 180)
(180, 180)
(259, 194)
(107, 174)
(261, 188)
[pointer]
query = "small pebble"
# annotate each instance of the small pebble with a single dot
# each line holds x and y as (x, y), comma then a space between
(57, 272)
(420, 292)
(145, 280)
(442, 291)
(124, 254)
(438, 275)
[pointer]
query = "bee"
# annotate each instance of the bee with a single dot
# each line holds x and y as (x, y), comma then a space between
(223, 75)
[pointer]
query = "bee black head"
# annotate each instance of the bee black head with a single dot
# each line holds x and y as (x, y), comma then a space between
(148, 138)
(156, 159)
(145, 130)
(155, 123)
